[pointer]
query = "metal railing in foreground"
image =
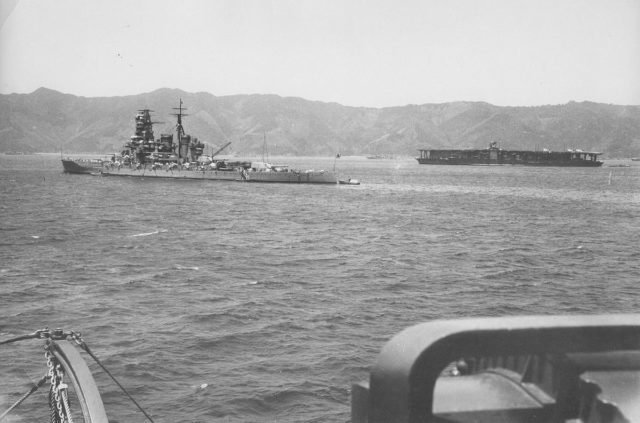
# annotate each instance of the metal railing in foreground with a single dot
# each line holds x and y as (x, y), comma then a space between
(516, 369)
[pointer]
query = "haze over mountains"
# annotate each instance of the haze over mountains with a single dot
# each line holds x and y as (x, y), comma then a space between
(49, 121)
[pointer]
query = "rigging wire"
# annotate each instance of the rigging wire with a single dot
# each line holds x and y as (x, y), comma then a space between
(35, 334)
(33, 389)
(85, 347)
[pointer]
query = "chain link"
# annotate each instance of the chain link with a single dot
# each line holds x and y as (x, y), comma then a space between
(58, 387)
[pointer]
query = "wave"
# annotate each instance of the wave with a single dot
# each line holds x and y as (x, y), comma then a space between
(180, 267)
(159, 231)
(277, 297)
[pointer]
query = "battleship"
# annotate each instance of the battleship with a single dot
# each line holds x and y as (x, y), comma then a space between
(494, 155)
(167, 157)
(182, 158)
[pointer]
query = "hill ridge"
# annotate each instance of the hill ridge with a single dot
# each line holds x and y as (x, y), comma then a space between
(49, 121)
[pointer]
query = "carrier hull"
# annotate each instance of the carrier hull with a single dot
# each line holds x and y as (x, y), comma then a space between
(497, 156)
(464, 162)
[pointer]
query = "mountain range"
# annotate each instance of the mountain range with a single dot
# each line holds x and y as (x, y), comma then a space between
(49, 121)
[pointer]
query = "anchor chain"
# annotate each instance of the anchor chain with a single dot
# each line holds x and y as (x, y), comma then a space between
(58, 392)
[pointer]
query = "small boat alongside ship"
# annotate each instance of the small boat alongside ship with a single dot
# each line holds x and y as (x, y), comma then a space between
(494, 155)
(350, 181)
(182, 158)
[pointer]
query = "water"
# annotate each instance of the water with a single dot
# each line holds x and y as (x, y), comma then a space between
(230, 302)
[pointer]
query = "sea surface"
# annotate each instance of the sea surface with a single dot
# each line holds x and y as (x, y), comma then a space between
(233, 302)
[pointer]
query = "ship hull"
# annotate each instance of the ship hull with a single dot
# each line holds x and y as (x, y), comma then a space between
(498, 156)
(81, 166)
(212, 175)
(462, 162)
(226, 175)
(292, 177)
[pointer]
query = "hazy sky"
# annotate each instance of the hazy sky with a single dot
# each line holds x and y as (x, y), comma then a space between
(354, 52)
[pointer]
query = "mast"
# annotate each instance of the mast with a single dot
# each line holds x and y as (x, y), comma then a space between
(264, 146)
(179, 128)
